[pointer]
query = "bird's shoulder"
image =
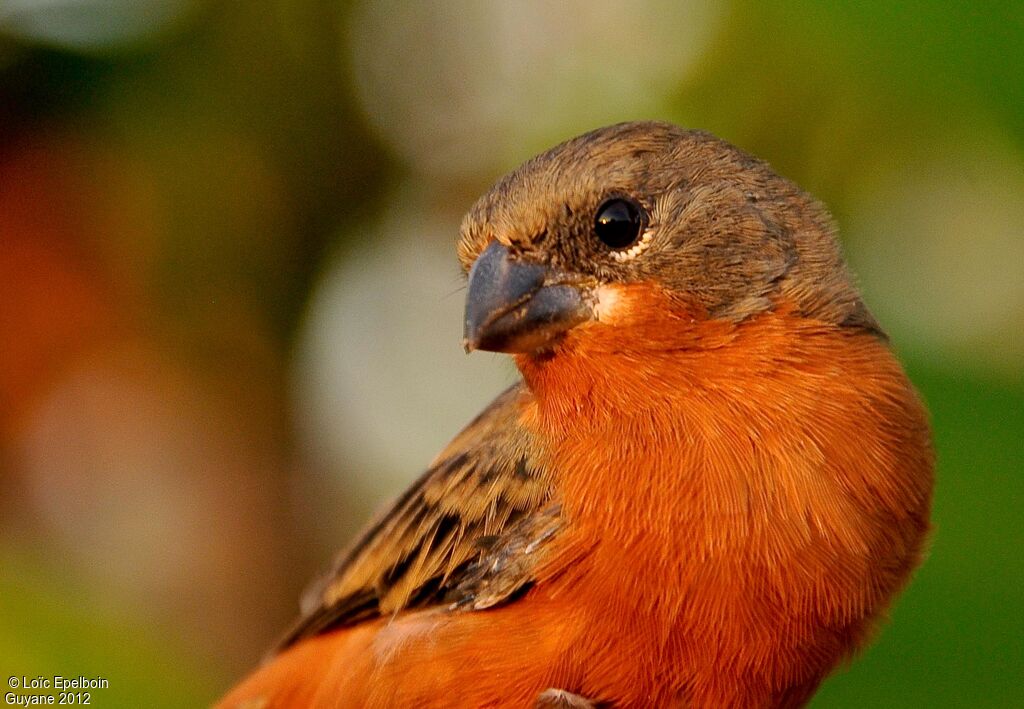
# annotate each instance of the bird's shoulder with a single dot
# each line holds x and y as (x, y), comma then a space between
(468, 534)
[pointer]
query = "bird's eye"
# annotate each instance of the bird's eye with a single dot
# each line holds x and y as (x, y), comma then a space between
(618, 223)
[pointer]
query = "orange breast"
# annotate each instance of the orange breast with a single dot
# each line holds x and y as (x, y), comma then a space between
(742, 504)
(752, 499)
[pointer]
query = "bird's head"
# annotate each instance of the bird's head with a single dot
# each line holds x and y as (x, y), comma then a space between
(644, 231)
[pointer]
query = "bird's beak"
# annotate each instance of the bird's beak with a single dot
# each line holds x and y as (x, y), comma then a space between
(518, 306)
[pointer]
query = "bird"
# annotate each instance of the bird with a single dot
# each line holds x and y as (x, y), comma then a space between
(706, 489)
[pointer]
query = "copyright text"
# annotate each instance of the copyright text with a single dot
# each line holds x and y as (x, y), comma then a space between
(57, 690)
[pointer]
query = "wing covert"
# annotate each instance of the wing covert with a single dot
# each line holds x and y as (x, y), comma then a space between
(467, 533)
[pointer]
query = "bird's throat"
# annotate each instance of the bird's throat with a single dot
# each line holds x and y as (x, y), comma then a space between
(779, 482)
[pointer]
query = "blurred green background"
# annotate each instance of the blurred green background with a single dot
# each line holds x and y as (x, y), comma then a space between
(230, 308)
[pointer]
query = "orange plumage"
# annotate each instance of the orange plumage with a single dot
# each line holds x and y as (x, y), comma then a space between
(709, 486)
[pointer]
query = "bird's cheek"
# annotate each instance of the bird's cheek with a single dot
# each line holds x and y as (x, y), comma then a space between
(611, 303)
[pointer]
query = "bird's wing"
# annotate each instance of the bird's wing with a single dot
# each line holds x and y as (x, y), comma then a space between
(467, 534)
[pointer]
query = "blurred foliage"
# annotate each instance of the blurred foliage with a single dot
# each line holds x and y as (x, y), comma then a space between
(53, 629)
(175, 192)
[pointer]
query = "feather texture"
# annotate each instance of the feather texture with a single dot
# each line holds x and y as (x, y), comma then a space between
(468, 533)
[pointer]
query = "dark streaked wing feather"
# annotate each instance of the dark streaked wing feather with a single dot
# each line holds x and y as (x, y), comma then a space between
(467, 534)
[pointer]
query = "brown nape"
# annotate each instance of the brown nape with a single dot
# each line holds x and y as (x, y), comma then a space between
(725, 230)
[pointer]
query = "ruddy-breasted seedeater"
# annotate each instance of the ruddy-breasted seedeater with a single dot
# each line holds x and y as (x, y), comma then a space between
(709, 485)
